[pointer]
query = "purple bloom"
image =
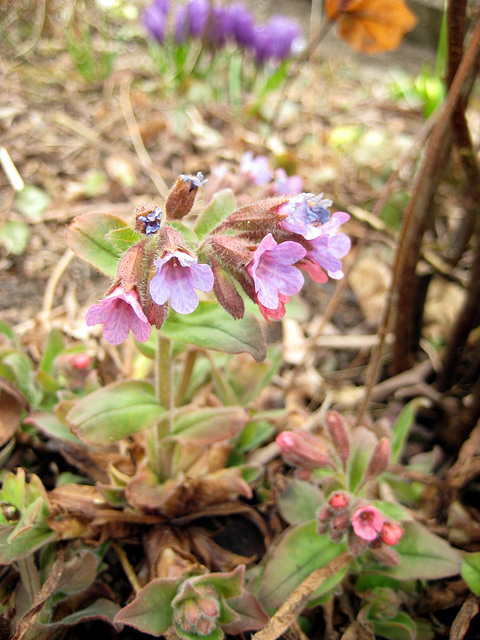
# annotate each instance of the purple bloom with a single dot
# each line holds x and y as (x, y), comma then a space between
(195, 181)
(152, 221)
(155, 19)
(181, 24)
(329, 246)
(178, 275)
(272, 271)
(119, 312)
(305, 214)
(217, 33)
(261, 44)
(198, 16)
(239, 25)
(282, 34)
(285, 185)
(257, 169)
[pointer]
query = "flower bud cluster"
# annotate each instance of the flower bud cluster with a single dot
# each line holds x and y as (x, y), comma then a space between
(196, 610)
(345, 516)
(216, 26)
(259, 248)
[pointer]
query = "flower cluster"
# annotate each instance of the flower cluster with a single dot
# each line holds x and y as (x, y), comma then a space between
(216, 25)
(361, 523)
(260, 248)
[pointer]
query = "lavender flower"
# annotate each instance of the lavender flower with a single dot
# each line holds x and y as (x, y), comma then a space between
(195, 181)
(216, 31)
(152, 221)
(305, 213)
(155, 19)
(274, 276)
(178, 275)
(198, 16)
(119, 312)
(256, 169)
(329, 246)
(286, 185)
(282, 34)
(239, 25)
(181, 24)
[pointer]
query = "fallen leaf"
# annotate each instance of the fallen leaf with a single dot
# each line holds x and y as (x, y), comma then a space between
(371, 26)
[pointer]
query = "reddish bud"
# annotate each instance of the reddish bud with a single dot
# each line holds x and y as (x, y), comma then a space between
(338, 501)
(338, 435)
(231, 251)
(340, 523)
(130, 269)
(81, 361)
(261, 216)
(379, 459)
(301, 449)
(182, 196)
(391, 533)
(226, 293)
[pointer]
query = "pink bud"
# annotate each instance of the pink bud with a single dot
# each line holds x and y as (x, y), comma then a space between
(379, 459)
(338, 435)
(81, 361)
(338, 501)
(391, 533)
(300, 449)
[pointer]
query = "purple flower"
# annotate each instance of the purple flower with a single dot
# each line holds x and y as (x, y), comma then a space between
(198, 15)
(272, 273)
(257, 169)
(152, 221)
(286, 185)
(305, 214)
(181, 24)
(155, 19)
(239, 25)
(119, 312)
(261, 44)
(282, 34)
(216, 32)
(195, 181)
(329, 246)
(178, 275)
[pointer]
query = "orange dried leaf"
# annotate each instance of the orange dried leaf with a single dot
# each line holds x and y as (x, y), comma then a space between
(371, 26)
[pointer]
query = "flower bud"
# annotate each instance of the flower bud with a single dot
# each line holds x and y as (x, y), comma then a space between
(391, 533)
(182, 196)
(379, 459)
(338, 435)
(387, 556)
(338, 501)
(301, 449)
(130, 268)
(260, 216)
(226, 293)
(81, 361)
(198, 612)
(231, 251)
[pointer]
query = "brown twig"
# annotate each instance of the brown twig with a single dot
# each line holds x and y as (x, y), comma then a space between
(292, 607)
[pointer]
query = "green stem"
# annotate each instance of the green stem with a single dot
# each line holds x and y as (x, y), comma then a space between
(187, 374)
(164, 392)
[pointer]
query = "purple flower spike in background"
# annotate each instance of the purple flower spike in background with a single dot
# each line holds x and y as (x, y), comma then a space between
(198, 16)
(287, 185)
(119, 312)
(272, 271)
(178, 275)
(283, 34)
(181, 24)
(155, 19)
(217, 32)
(239, 25)
(256, 168)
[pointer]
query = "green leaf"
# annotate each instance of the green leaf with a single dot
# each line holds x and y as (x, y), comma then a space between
(50, 425)
(220, 207)
(101, 609)
(210, 327)
(86, 238)
(401, 429)
(124, 238)
(53, 347)
(151, 611)
(255, 433)
(470, 571)
(300, 502)
(14, 236)
(22, 369)
(362, 444)
(32, 201)
(400, 627)
(300, 552)
(115, 412)
(26, 543)
(424, 555)
(209, 425)
(228, 584)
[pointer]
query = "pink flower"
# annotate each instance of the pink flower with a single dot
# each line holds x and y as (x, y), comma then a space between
(178, 275)
(287, 184)
(257, 169)
(274, 276)
(367, 523)
(391, 533)
(328, 247)
(119, 312)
